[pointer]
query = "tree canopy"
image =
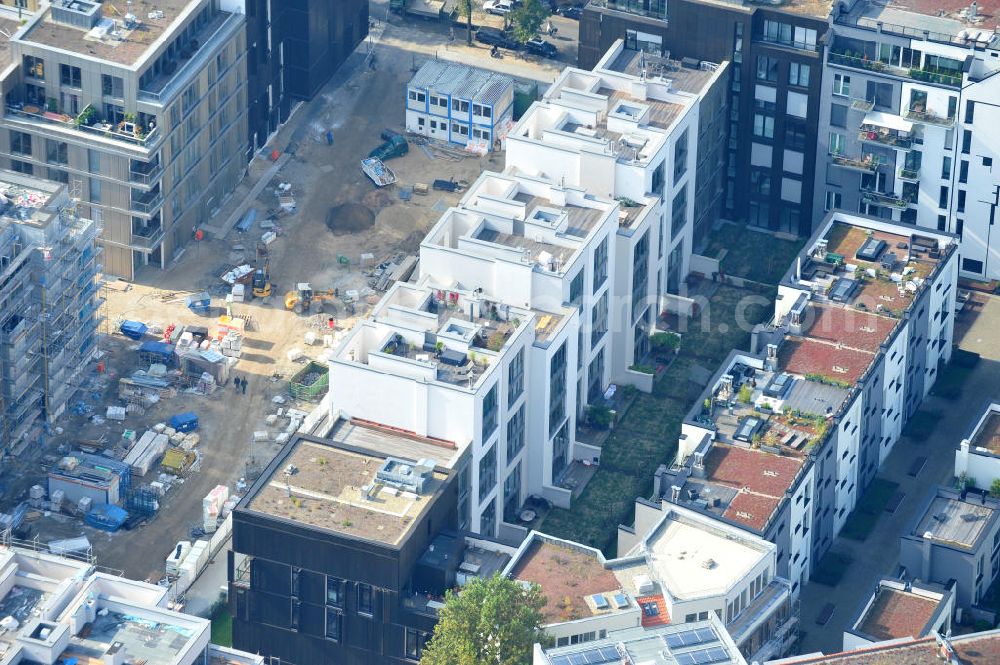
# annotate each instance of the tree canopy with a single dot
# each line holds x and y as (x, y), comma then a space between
(465, 11)
(490, 621)
(527, 19)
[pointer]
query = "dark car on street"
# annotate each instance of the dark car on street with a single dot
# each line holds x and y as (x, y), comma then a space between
(492, 37)
(570, 11)
(538, 46)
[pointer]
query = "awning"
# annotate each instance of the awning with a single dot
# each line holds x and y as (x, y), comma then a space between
(888, 120)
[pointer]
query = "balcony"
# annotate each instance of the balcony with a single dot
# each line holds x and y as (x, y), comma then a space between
(856, 61)
(147, 203)
(147, 238)
(883, 136)
(630, 8)
(862, 105)
(885, 199)
(908, 174)
(88, 123)
(868, 163)
(772, 601)
(928, 118)
(145, 173)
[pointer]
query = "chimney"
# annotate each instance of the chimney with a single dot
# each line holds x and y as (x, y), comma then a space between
(675, 493)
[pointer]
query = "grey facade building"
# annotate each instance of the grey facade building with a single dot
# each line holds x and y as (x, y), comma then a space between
(956, 536)
(143, 116)
(49, 304)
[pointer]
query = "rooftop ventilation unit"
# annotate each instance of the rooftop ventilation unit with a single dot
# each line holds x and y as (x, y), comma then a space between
(82, 14)
(402, 475)
(871, 249)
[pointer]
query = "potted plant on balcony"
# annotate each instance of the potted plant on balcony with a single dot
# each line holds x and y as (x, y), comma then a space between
(86, 117)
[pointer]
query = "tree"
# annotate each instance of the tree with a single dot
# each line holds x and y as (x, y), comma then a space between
(490, 621)
(995, 488)
(465, 10)
(527, 19)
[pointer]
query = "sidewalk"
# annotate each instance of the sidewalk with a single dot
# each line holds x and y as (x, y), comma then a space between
(879, 553)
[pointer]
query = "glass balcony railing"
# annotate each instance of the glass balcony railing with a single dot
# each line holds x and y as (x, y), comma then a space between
(856, 61)
(147, 174)
(868, 163)
(147, 238)
(87, 124)
(909, 174)
(928, 117)
(882, 137)
(147, 204)
(889, 199)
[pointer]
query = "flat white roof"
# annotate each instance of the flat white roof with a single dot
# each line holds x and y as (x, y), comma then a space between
(692, 561)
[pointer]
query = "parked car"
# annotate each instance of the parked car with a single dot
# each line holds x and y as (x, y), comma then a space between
(493, 37)
(570, 11)
(539, 46)
(498, 7)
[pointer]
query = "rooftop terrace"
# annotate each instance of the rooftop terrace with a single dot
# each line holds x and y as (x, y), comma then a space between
(689, 75)
(949, 520)
(987, 434)
(819, 9)
(112, 38)
(338, 490)
(947, 21)
(897, 613)
(975, 649)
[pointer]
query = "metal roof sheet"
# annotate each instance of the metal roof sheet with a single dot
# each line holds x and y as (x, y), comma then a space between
(478, 86)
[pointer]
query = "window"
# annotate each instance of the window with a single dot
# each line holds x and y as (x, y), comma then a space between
(490, 408)
(557, 388)
(880, 94)
(34, 67)
(56, 152)
(515, 434)
(963, 171)
(842, 85)
(95, 190)
(488, 519)
(440, 102)
(461, 130)
(678, 212)
(512, 494)
(366, 601)
(797, 104)
(595, 377)
(760, 182)
(58, 175)
(961, 201)
(487, 472)
(334, 591)
(838, 115)
(576, 291)
(966, 141)
(680, 156)
(20, 143)
(112, 86)
(988, 162)
(482, 110)
(599, 320)
(334, 624)
(515, 377)
(833, 201)
(415, 96)
(795, 136)
(788, 35)
(970, 112)
(971, 265)
(946, 168)
(643, 41)
(414, 643)
(459, 106)
(600, 264)
(93, 161)
(943, 197)
(798, 74)
(767, 68)
(837, 143)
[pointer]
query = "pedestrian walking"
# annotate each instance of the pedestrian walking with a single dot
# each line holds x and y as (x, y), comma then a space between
(244, 383)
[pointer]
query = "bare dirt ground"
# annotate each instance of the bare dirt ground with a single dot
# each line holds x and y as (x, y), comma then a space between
(358, 104)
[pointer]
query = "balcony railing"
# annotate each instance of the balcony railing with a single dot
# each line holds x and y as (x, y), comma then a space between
(147, 204)
(630, 8)
(868, 163)
(884, 199)
(863, 62)
(928, 117)
(146, 177)
(905, 173)
(865, 105)
(885, 138)
(98, 130)
(147, 238)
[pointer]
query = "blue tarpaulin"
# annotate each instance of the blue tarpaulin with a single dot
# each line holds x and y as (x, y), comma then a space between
(244, 224)
(106, 516)
(133, 329)
(161, 351)
(184, 422)
(199, 302)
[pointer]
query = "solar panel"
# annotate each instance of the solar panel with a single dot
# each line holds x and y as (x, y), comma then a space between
(690, 638)
(703, 656)
(600, 602)
(593, 656)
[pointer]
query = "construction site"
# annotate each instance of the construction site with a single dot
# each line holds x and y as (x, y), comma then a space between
(184, 383)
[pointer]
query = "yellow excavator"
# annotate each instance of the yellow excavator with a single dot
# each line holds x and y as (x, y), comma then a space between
(261, 283)
(302, 299)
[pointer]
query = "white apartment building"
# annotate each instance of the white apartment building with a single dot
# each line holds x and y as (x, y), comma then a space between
(60, 610)
(978, 454)
(785, 439)
(908, 121)
(623, 132)
(682, 568)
